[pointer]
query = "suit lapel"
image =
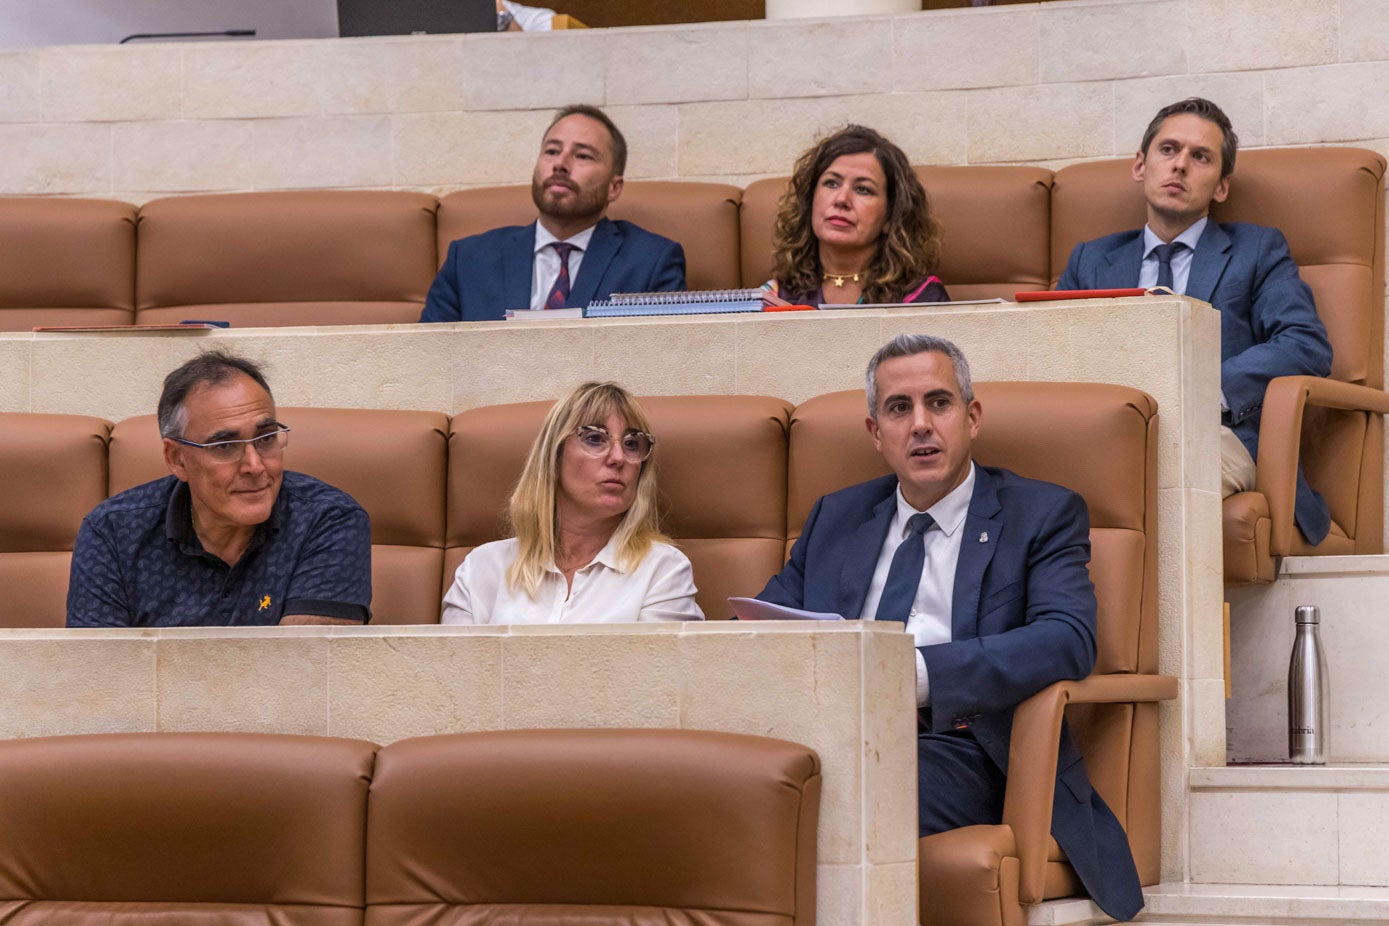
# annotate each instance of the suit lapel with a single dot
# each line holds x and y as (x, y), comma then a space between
(861, 558)
(518, 265)
(1208, 263)
(1122, 265)
(977, 546)
(602, 248)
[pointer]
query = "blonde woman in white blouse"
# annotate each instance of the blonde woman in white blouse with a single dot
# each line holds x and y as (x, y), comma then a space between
(587, 548)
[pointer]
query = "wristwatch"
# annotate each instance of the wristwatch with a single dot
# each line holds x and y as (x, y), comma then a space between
(504, 19)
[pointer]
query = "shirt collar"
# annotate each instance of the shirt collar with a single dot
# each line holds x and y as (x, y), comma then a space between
(606, 557)
(178, 519)
(1188, 237)
(948, 513)
(543, 238)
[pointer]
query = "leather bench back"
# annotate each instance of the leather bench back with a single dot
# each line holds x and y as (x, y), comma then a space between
(66, 262)
(54, 469)
(296, 258)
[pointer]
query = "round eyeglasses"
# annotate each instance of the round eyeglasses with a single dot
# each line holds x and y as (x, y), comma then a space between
(231, 451)
(595, 440)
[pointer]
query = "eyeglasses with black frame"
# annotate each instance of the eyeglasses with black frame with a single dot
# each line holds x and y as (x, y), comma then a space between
(269, 445)
(595, 440)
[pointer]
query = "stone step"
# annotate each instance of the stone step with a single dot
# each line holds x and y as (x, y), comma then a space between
(1311, 825)
(1234, 905)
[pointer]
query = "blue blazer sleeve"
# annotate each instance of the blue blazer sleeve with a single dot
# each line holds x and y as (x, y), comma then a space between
(443, 303)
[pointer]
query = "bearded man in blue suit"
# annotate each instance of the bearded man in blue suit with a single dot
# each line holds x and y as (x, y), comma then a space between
(987, 571)
(1268, 321)
(572, 254)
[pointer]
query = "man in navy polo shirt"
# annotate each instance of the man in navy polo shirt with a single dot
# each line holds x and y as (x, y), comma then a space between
(230, 537)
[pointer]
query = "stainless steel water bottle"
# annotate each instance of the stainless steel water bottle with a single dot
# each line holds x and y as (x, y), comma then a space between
(1308, 714)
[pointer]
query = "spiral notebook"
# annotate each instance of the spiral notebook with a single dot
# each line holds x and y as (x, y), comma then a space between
(690, 302)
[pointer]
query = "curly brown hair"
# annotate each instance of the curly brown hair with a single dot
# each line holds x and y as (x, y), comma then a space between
(908, 248)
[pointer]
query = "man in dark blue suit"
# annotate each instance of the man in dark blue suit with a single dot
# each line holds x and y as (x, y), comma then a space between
(572, 254)
(987, 570)
(1268, 321)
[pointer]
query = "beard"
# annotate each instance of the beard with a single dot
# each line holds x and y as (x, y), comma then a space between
(576, 203)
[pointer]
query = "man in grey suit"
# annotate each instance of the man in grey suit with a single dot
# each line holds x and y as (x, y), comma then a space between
(1268, 321)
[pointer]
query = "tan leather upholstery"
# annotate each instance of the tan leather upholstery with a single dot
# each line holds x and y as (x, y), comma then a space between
(195, 828)
(391, 462)
(603, 826)
(1329, 203)
(300, 258)
(702, 217)
(54, 471)
(1101, 441)
(721, 462)
(995, 228)
(66, 262)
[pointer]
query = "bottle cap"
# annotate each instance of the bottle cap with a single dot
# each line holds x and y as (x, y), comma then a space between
(1307, 614)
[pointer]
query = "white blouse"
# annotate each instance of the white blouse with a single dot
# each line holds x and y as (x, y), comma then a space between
(660, 588)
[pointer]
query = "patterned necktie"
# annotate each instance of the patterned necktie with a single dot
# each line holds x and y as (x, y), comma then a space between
(1164, 254)
(904, 575)
(559, 294)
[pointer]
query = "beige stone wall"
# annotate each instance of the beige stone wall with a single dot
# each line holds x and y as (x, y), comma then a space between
(1047, 83)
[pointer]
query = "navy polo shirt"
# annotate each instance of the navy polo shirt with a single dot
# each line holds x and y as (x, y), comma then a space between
(138, 562)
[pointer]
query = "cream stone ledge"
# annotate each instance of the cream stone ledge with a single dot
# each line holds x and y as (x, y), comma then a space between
(1341, 777)
(846, 690)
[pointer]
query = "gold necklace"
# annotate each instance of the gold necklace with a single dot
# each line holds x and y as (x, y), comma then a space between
(839, 279)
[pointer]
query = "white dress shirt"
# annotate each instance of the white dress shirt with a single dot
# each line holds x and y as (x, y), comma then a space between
(530, 18)
(545, 267)
(929, 619)
(660, 588)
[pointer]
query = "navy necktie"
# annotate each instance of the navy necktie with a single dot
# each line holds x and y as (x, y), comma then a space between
(904, 575)
(559, 293)
(1164, 253)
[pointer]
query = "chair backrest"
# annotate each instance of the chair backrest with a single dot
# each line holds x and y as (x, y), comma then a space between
(53, 468)
(1100, 441)
(995, 224)
(295, 258)
(66, 262)
(391, 462)
(183, 827)
(558, 826)
(702, 217)
(721, 462)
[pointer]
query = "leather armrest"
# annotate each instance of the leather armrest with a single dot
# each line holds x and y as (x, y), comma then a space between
(1280, 435)
(1027, 803)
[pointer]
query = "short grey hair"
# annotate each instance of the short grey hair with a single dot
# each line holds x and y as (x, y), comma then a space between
(907, 345)
(210, 368)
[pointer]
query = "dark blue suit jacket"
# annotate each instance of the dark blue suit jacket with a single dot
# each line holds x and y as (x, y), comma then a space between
(486, 274)
(1268, 322)
(1022, 617)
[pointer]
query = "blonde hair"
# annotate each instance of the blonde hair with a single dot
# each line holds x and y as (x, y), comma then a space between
(532, 507)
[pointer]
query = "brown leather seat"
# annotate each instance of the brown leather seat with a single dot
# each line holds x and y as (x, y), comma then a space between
(301, 258)
(391, 462)
(1100, 441)
(594, 826)
(205, 829)
(994, 221)
(722, 466)
(66, 262)
(54, 469)
(1329, 203)
(702, 217)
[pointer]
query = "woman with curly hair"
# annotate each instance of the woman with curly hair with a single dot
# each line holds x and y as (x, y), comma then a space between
(587, 547)
(855, 226)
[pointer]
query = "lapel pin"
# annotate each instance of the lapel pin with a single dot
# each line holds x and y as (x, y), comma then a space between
(984, 537)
